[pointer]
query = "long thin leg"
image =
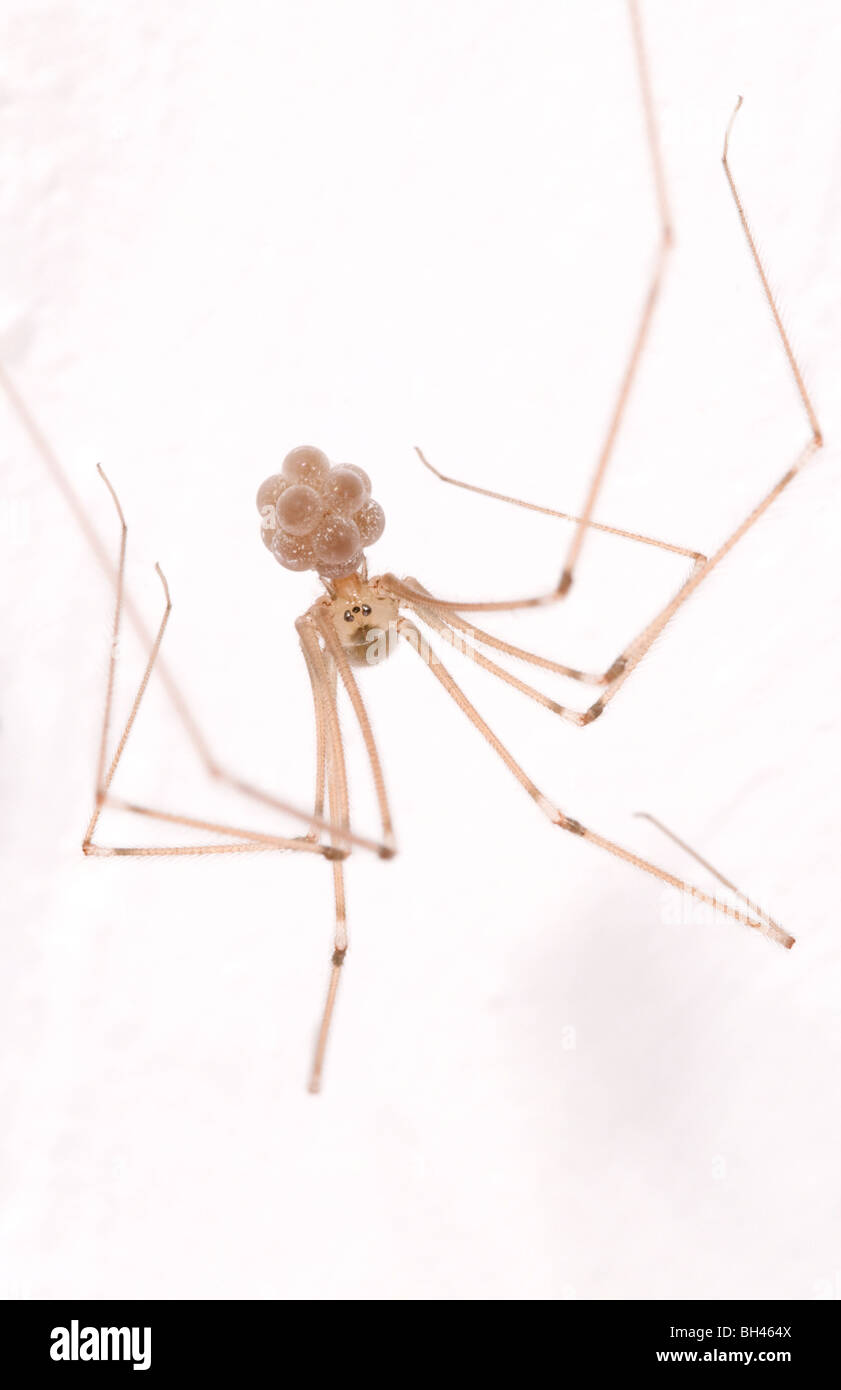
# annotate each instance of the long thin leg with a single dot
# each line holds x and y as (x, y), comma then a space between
(105, 778)
(699, 859)
(666, 239)
(644, 325)
(630, 658)
(252, 840)
(760, 921)
(115, 637)
(620, 669)
(583, 522)
(340, 946)
(320, 747)
(399, 588)
(413, 595)
(448, 631)
(323, 664)
(768, 292)
(617, 673)
(340, 938)
(634, 654)
(180, 851)
(334, 646)
(322, 682)
(50, 458)
(105, 783)
(179, 702)
(332, 770)
(487, 639)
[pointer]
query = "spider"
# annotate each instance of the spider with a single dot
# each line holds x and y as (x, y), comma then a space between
(320, 516)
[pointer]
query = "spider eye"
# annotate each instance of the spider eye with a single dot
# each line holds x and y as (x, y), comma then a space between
(348, 616)
(366, 609)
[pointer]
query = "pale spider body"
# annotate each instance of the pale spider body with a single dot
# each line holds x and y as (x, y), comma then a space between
(364, 617)
(322, 517)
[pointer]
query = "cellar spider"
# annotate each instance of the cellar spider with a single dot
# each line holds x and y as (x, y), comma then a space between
(322, 517)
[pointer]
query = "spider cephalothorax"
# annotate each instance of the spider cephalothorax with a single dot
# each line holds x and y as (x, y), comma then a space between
(364, 617)
(318, 516)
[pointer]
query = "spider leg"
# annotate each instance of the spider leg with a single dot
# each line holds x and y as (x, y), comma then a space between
(115, 635)
(331, 769)
(760, 921)
(705, 863)
(627, 661)
(176, 695)
(459, 633)
(620, 669)
(321, 678)
(340, 946)
(251, 840)
(324, 663)
(400, 588)
(320, 740)
(454, 635)
(427, 607)
(343, 666)
(104, 779)
(665, 243)
(649, 305)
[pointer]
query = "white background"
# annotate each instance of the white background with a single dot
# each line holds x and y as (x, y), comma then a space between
(227, 229)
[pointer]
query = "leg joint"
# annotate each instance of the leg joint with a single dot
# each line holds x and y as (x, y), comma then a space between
(591, 714)
(615, 671)
(334, 852)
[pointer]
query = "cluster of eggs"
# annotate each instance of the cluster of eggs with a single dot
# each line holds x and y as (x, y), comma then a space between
(318, 516)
